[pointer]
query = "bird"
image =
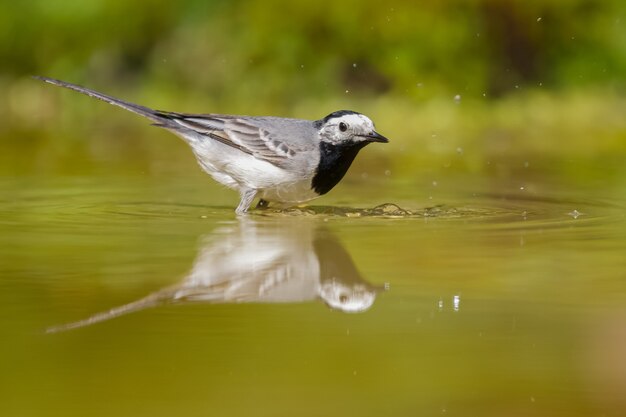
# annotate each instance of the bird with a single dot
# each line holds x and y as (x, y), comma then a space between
(271, 262)
(278, 160)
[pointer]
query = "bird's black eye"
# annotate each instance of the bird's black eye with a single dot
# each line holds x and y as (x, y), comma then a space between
(343, 127)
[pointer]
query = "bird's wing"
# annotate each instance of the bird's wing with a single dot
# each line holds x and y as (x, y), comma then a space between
(244, 133)
(271, 139)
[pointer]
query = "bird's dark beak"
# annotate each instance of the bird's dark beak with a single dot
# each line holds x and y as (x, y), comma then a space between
(376, 137)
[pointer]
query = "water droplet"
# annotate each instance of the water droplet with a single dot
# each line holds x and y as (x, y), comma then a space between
(347, 91)
(459, 150)
(440, 305)
(457, 98)
(354, 65)
(575, 214)
(521, 188)
(539, 19)
(456, 301)
(435, 183)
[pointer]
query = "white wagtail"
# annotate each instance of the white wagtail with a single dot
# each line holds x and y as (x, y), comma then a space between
(288, 261)
(287, 161)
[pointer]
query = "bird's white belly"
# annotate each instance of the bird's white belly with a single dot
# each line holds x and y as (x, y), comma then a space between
(295, 192)
(240, 171)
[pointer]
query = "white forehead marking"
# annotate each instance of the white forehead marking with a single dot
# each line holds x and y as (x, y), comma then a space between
(355, 120)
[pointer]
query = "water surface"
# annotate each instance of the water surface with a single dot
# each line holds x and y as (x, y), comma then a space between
(131, 296)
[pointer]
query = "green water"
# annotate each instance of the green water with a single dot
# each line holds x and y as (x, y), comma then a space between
(146, 296)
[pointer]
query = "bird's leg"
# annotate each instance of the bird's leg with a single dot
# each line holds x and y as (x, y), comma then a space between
(262, 204)
(247, 195)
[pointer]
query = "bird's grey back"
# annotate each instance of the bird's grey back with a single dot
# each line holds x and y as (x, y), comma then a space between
(298, 134)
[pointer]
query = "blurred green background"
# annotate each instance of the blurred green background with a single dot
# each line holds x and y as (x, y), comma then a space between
(480, 87)
(510, 114)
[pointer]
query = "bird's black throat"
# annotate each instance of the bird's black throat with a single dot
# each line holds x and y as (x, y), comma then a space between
(335, 159)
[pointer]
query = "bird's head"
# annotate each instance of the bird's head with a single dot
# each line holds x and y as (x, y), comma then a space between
(348, 127)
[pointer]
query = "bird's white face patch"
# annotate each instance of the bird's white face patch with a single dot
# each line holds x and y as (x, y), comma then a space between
(358, 122)
(349, 299)
(347, 127)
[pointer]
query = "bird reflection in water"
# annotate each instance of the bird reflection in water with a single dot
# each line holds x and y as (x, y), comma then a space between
(251, 261)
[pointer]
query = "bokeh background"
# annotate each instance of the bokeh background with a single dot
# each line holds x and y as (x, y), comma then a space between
(507, 135)
(491, 88)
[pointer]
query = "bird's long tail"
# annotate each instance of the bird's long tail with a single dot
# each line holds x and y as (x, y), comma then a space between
(151, 114)
(152, 300)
